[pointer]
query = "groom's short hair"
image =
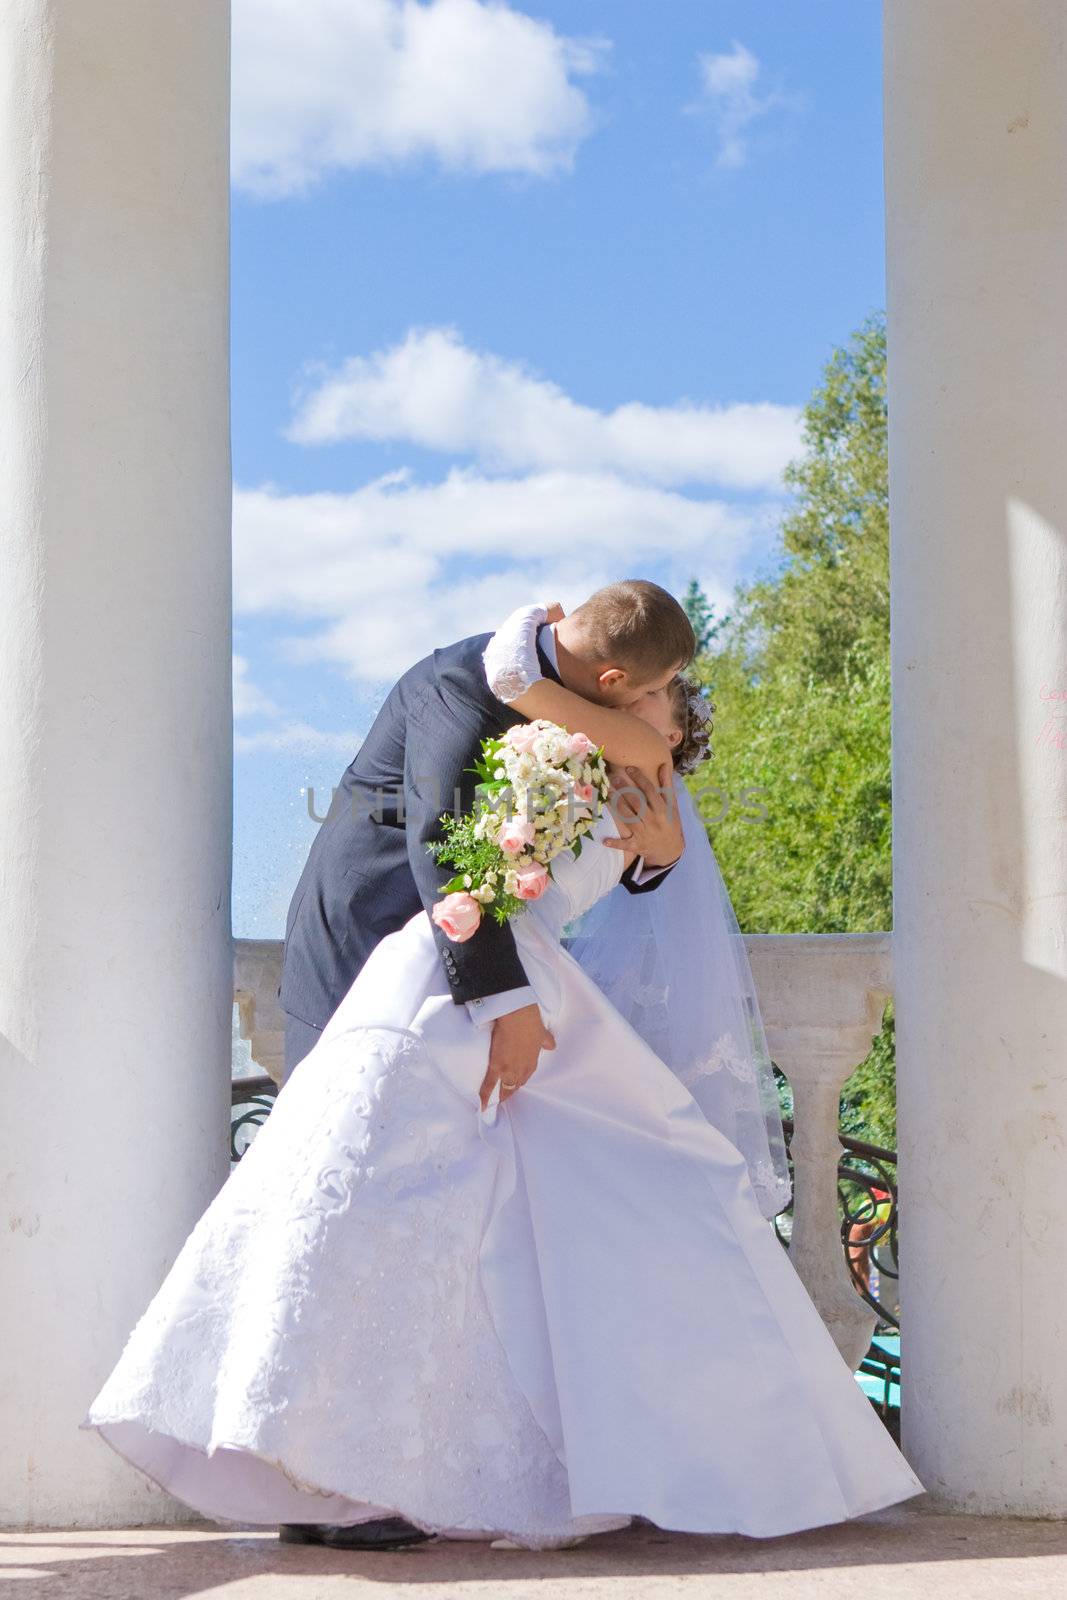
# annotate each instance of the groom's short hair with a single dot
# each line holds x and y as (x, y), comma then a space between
(638, 626)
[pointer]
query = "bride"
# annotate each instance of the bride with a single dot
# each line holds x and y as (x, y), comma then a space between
(529, 1320)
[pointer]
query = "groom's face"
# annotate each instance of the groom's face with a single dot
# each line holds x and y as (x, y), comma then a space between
(616, 687)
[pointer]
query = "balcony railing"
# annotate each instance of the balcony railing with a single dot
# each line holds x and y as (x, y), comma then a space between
(822, 997)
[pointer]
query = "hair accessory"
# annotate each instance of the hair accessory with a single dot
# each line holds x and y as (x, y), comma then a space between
(695, 747)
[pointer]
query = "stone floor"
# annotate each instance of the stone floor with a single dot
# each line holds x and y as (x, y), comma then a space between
(903, 1552)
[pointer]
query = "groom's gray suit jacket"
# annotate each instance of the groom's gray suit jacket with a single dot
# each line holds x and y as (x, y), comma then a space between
(369, 870)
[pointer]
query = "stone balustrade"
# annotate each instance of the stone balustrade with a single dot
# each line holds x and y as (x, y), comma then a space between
(257, 972)
(821, 997)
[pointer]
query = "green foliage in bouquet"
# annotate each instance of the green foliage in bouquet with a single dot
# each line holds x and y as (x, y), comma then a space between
(510, 785)
(476, 860)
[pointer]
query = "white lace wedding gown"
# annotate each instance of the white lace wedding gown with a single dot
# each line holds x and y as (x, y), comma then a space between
(535, 1321)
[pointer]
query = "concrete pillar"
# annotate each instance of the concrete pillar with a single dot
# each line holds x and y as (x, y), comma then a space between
(976, 206)
(115, 974)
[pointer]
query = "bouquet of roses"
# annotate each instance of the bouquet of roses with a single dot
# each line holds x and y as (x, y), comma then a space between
(541, 791)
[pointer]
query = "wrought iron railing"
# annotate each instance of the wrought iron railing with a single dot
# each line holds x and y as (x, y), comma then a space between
(884, 1364)
(867, 1192)
(252, 1099)
(868, 1205)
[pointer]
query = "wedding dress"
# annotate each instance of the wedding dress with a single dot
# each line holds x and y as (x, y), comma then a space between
(534, 1321)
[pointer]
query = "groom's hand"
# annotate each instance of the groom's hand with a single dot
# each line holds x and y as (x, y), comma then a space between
(517, 1041)
(647, 817)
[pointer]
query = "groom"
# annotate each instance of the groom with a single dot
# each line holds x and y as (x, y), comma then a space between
(369, 869)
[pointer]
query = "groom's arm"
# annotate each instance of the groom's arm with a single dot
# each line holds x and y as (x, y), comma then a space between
(639, 877)
(442, 742)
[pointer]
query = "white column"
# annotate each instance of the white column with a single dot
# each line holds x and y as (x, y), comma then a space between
(976, 179)
(115, 978)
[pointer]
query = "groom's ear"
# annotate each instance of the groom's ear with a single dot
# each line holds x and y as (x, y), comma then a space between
(612, 678)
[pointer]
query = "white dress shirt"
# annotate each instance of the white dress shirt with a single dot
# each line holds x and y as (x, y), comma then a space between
(491, 1006)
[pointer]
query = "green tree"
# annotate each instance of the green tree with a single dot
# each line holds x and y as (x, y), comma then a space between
(701, 613)
(796, 795)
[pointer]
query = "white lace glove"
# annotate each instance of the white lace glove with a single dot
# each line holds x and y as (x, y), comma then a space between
(511, 661)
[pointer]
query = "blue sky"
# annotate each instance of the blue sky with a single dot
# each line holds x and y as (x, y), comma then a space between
(523, 300)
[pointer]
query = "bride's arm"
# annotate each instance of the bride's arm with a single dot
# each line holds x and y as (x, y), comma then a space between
(514, 674)
(627, 741)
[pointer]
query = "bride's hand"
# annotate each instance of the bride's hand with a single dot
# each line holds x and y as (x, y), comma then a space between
(512, 665)
(646, 815)
(554, 612)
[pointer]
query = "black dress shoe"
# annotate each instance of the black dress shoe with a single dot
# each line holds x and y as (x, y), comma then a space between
(386, 1533)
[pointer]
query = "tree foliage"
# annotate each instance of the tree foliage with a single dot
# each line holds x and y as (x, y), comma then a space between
(796, 795)
(701, 613)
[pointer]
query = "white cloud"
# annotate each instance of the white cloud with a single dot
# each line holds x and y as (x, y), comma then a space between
(434, 391)
(381, 575)
(248, 700)
(331, 85)
(728, 82)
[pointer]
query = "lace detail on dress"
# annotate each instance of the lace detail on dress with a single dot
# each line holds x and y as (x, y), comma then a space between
(326, 1312)
(511, 661)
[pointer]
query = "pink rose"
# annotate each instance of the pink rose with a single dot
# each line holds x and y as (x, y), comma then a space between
(531, 882)
(457, 916)
(515, 834)
(583, 792)
(522, 737)
(580, 745)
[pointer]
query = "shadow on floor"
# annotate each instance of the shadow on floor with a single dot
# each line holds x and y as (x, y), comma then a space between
(171, 1563)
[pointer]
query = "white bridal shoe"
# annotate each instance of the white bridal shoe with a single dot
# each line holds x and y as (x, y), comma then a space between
(563, 1544)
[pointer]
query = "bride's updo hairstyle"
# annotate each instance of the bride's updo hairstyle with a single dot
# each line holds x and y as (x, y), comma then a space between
(636, 626)
(691, 711)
